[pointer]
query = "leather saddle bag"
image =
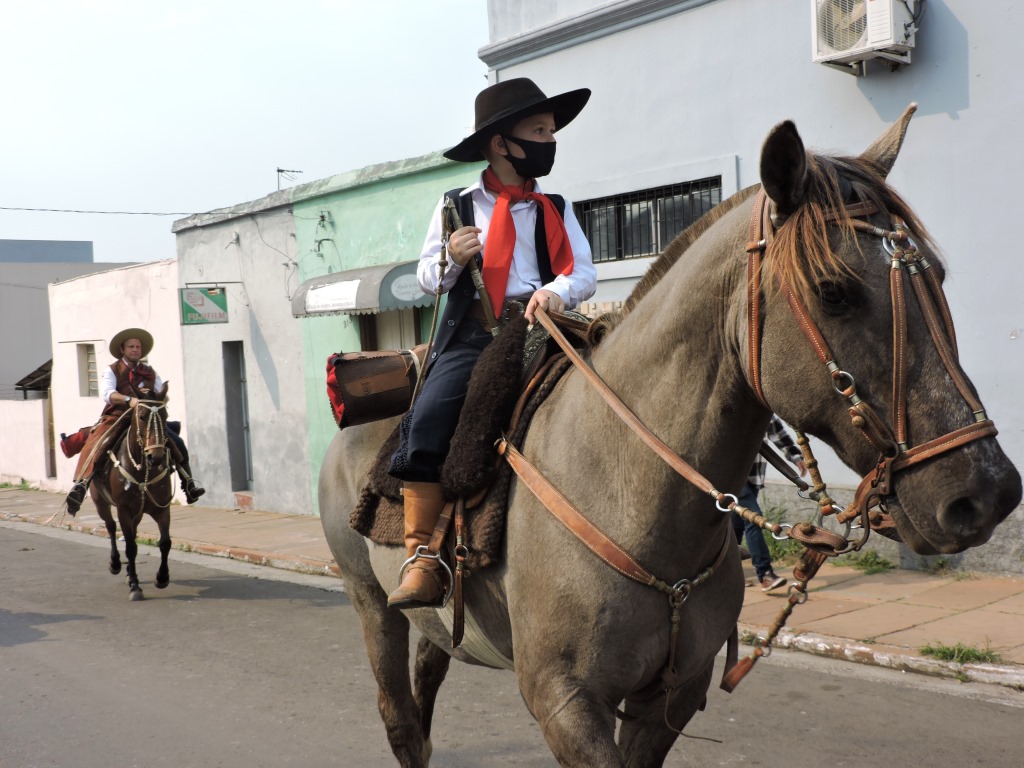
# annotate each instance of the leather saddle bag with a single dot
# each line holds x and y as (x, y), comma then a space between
(370, 386)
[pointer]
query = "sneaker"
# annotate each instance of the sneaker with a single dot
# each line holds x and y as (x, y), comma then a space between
(771, 581)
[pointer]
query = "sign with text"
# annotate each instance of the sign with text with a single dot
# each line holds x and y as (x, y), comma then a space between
(203, 305)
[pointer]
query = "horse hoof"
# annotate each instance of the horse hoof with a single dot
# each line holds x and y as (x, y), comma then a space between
(115, 568)
(161, 584)
(136, 595)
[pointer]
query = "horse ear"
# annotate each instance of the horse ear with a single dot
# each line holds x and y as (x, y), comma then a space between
(163, 392)
(887, 146)
(784, 167)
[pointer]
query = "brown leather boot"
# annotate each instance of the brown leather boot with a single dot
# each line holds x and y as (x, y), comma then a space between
(424, 581)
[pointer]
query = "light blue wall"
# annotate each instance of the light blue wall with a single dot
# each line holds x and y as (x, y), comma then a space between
(686, 87)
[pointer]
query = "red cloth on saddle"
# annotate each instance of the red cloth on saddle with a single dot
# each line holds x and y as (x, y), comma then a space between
(71, 445)
(501, 237)
(334, 390)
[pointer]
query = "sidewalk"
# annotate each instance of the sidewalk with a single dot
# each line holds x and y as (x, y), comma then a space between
(880, 619)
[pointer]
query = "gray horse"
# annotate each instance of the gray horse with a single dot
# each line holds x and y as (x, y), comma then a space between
(582, 639)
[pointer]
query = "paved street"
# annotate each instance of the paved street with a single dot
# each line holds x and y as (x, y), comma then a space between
(232, 667)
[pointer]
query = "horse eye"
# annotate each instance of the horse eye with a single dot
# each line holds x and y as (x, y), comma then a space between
(833, 296)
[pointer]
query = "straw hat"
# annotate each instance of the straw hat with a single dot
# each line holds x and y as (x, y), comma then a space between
(131, 333)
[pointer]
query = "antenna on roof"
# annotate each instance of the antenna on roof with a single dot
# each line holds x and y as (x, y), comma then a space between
(287, 175)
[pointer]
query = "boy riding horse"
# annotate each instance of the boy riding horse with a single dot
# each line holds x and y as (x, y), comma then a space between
(511, 224)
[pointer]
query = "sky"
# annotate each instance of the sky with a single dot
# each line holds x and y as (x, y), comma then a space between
(187, 106)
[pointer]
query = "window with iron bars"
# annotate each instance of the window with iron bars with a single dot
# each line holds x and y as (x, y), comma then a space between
(642, 223)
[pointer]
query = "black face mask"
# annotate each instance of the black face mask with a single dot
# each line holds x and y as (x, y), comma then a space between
(540, 157)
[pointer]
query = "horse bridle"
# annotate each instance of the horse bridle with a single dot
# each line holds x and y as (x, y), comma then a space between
(153, 423)
(889, 438)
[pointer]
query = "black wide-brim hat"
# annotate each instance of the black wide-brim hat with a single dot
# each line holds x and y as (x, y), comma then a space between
(131, 333)
(507, 103)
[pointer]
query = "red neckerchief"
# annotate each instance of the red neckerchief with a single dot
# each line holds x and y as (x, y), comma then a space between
(501, 236)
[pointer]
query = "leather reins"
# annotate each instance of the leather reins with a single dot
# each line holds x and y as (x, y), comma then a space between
(888, 438)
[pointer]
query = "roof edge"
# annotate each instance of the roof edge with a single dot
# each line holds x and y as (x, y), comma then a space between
(360, 177)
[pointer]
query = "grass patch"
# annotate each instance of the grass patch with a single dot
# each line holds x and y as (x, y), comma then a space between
(960, 654)
(943, 567)
(786, 551)
(22, 486)
(869, 562)
(749, 638)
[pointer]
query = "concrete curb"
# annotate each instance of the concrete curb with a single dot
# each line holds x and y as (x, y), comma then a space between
(897, 659)
(304, 565)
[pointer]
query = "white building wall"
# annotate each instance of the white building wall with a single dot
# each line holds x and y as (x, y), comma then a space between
(91, 310)
(24, 447)
(695, 92)
(252, 257)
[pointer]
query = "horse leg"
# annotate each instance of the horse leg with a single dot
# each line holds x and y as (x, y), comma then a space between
(131, 549)
(103, 510)
(115, 556)
(432, 664)
(386, 635)
(645, 742)
(578, 727)
(163, 522)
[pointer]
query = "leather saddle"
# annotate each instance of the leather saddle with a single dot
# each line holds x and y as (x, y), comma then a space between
(512, 378)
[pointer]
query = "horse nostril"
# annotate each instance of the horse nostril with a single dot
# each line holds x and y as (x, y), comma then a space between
(963, 519)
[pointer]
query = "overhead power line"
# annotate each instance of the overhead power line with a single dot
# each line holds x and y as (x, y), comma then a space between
(105, 213)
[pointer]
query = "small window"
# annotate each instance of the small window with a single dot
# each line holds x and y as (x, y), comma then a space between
(401, 329)
(88, 380)
(644, 223)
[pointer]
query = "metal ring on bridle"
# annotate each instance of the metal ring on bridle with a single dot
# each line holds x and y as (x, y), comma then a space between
(891, 247)
(840, 376)
(781, 536)
(680, 591)
(728, 508)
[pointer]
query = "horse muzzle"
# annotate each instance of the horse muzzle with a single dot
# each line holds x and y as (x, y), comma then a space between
(964, 515)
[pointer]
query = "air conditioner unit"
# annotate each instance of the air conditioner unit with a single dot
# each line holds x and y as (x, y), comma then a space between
(849, 31)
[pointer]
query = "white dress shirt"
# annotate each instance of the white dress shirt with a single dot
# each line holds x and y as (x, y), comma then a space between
(524, 277)
(108, 383)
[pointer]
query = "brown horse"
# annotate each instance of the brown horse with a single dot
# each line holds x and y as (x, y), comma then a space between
(581, 638)
(138, 481)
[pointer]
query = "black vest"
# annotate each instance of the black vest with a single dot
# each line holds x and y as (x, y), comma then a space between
(460, 297)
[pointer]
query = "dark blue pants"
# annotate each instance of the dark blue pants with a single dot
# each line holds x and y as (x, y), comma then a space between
(175, 438)
(758, 547)
(427, 432)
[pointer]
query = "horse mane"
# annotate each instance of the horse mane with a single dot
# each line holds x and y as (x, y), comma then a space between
(801, 254)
